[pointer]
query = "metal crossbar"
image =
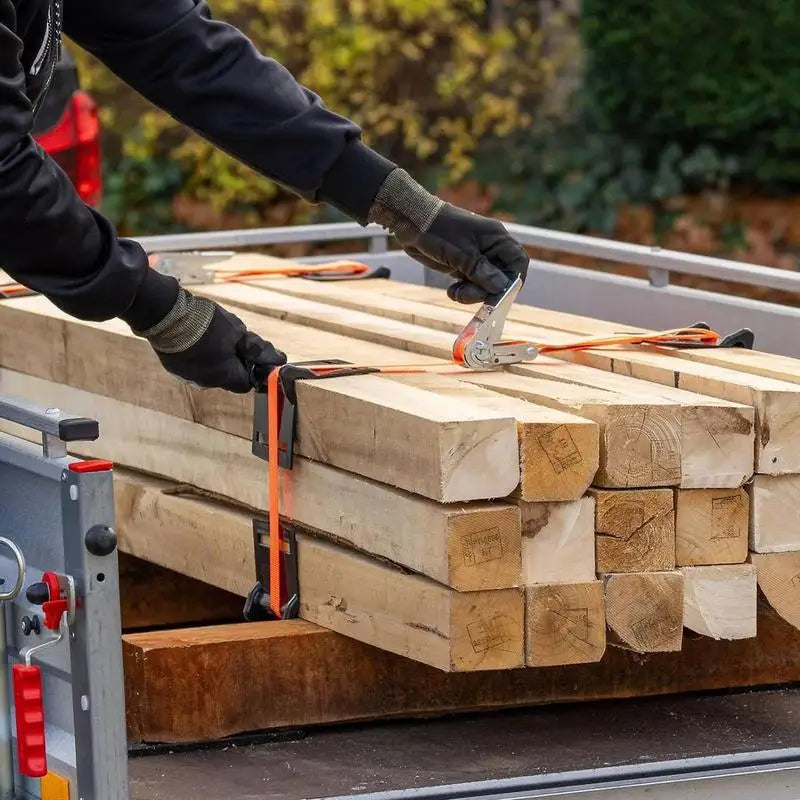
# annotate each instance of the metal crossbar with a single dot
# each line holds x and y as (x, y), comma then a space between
(652, 303)
(659, 259)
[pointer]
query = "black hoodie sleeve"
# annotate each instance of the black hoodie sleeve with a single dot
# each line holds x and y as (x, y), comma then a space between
(49, 239)
(209, 76)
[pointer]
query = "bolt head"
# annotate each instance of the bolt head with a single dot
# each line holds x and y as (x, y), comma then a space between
(30, 625)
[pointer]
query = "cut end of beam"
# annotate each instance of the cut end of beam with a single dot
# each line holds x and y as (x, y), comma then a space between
(721, 601)
(565, 623)
(779, 580)
(558, 460)
(635, 530)
(558, 542)
(640, 447)
(711, 526)
(774, 509)
(484, 548)
(644, 610)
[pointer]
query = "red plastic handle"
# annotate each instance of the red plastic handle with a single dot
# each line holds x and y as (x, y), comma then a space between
(55, 607)
(53, 611)
(29, 712)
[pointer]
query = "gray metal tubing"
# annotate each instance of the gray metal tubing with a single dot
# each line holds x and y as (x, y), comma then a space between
(46, 420)
(96, 669)
(720, 776)
(628, 301)
(656, 257)
(6, 741)
(256, 237)
(6, 750)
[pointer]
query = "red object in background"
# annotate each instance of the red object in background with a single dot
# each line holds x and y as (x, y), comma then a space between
(74, 143)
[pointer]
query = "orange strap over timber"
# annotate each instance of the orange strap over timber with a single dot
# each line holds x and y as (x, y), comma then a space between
(701, 335)
(275, 577)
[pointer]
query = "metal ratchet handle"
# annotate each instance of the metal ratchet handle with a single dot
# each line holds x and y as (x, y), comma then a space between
(492, 315)
(513, 353)
(479, 347)
(63, 627)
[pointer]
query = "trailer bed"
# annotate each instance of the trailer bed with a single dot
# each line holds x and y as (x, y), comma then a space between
(381, 757)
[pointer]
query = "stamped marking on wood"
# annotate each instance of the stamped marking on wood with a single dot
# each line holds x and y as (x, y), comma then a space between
(560, 449)
(487, 634)
(482, 547)
(571, 623)
(724, 522)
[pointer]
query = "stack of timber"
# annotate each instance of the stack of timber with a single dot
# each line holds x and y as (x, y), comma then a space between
(568, 513)
(709, 525)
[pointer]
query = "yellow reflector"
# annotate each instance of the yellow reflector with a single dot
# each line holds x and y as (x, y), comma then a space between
(54, 787)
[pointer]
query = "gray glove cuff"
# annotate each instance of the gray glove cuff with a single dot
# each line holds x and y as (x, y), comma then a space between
(183, 326)
(403, 206)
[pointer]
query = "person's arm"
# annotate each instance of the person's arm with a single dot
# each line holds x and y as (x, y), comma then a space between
(208, 75)
(49, 239)
(55, 244)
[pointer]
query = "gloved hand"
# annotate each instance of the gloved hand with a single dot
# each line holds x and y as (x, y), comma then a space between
(206, 345)
(478, 252)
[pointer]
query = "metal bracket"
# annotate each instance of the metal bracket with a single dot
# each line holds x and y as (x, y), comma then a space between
(479, 346)
(189, 268)
(287, 404)
(744, 338)
(56, 426)
(257, 604)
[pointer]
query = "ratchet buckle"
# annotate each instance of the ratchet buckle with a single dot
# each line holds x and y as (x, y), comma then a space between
(480, 347)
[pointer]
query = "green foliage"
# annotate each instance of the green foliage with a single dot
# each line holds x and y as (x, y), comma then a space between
(568, 176)
(678, 98)
(139, 192)
(719, 79)
(427, 80)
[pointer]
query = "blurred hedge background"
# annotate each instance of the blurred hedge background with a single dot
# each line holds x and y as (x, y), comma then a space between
(669, 122)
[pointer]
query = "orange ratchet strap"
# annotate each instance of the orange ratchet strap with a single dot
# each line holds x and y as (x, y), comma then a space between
(281, 403)
(9, 290)
(479, 346)
(275, 577)
(344, 268)
(674, 336)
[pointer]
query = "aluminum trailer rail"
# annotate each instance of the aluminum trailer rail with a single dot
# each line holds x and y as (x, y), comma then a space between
(652, 303)
(772, 775)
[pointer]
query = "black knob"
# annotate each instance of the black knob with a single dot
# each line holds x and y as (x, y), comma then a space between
(37, 593)
(101, 540)
(31, 625)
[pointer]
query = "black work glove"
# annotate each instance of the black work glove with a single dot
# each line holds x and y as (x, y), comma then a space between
(478, 252)
(204, 344)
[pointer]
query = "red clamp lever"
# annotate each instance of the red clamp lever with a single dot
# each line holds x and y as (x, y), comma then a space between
(47, 594)
(27, 679)
(29, 712)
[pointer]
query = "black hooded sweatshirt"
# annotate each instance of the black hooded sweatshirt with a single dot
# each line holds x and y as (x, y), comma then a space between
(205, 74)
